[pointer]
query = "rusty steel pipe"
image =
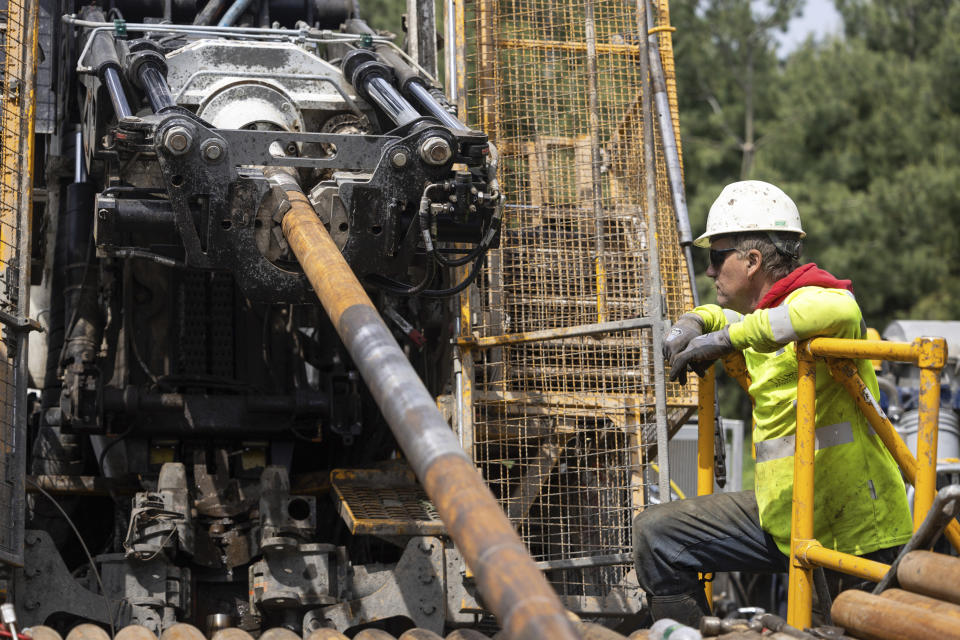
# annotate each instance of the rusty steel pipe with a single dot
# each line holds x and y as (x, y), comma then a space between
(512, 587)
(871, 617)
(931, 574)
(924, 602)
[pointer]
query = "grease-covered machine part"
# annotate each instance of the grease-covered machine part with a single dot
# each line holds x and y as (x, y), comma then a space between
(196, 394)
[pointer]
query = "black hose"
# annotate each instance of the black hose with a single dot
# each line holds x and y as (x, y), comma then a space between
(399, 288)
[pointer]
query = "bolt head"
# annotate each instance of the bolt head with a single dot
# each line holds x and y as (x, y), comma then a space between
(177, 140)
(435, 151)
(212, 150)
(399, 159)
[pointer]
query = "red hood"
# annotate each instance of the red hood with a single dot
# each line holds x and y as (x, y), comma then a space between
(809, 275)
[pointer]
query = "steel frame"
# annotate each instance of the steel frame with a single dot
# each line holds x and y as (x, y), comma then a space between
(806, 553)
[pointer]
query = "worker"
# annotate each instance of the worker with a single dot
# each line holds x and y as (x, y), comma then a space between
(767, 302)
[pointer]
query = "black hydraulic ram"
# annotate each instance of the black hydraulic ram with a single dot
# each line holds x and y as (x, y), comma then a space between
(147, 70)
(103, 59)
(373, 80)
(413, 87)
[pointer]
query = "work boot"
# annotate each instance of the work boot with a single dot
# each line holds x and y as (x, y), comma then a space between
(685, 608)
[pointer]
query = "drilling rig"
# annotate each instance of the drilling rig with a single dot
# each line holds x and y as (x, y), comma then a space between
(263, 246)
(185, 346)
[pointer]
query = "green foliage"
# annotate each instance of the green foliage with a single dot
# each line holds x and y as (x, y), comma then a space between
(863, 132)
(385, 15)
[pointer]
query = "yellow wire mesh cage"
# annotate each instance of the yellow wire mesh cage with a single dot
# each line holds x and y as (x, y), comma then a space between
(563, 421)
(19, 47)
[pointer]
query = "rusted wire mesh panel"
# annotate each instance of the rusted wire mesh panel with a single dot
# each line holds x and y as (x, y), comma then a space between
(17, 48)
(562, 426)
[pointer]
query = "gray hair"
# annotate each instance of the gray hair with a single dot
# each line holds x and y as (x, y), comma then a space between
(781, 252)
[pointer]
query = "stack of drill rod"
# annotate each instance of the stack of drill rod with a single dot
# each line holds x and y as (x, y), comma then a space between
(926, 606)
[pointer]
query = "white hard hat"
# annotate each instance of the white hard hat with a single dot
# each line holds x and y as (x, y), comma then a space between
(751, 205)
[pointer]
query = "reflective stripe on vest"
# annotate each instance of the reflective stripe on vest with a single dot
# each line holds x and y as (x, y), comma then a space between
(829, 436)
(780, 325)
(732, 316)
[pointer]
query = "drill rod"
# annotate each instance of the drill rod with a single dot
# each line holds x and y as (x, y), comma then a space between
(510, 582)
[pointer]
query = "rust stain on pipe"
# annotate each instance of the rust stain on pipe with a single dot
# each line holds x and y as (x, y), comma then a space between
(924, 602)
(871, 617)
(931, 574)
(512, 586)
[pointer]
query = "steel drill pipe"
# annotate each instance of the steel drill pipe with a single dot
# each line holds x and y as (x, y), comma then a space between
(873, 617)
(924, 602)
(512, 587)
(931, 574)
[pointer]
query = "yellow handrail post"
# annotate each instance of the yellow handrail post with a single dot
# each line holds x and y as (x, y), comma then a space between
(800, 597)
(931, 356)
(706, 416)
(736, 367)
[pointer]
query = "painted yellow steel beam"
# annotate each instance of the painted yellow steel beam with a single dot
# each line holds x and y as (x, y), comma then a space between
(800, 597)
(811, 554)
(862, 349)
(931, 356)
(706, 417)
(469, 342)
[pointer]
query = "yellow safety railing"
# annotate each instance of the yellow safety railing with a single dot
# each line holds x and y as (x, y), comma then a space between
(806, 553)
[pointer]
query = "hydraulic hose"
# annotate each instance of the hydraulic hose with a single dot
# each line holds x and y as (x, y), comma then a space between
(509, 581)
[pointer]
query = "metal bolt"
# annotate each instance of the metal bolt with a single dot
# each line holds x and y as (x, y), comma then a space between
(398, 158)
(102, 214)
(177, 139)
(212, 150)
(436, 151)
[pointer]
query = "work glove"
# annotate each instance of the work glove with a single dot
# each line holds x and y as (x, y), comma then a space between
(688, 327)
(700, 354)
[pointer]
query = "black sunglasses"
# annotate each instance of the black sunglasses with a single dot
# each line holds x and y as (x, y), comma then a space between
(718, 256)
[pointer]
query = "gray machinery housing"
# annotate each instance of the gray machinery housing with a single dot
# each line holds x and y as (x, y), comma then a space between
(192, 397)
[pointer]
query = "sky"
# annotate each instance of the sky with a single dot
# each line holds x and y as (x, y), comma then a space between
(819, 18)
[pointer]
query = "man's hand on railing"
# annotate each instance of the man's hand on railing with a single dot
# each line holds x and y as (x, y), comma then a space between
(699, 354)
(688, 327)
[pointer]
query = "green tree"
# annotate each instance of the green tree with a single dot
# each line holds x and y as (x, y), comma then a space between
(866, 141)
(727, 74)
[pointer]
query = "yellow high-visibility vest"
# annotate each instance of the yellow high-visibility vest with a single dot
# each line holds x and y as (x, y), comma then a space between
(860, 503)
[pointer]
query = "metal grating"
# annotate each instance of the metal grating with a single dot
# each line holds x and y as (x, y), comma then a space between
(384, 502)
(18, 44)
(561, 426)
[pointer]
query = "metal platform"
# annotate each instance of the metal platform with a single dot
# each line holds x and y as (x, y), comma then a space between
(385, 503)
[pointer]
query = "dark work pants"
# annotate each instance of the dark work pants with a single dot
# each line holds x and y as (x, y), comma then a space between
(672, 542)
